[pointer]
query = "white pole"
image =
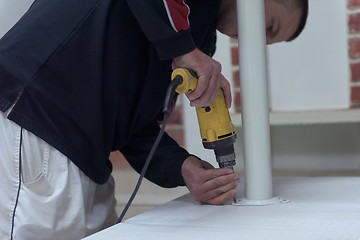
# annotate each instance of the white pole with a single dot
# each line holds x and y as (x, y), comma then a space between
(254, 99)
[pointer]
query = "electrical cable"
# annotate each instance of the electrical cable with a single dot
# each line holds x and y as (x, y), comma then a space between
(143, 171)
(167, 110)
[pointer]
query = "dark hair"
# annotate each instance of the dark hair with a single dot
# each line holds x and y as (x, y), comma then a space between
(304, 5)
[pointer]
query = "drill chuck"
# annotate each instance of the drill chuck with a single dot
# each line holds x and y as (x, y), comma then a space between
(227, 161)
(224, 151)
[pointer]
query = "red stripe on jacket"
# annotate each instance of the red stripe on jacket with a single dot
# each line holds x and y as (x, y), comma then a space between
(178, 13)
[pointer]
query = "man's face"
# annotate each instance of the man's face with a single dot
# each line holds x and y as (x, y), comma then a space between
(281, 20)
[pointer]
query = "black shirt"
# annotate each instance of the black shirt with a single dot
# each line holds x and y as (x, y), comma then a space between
(93, 75)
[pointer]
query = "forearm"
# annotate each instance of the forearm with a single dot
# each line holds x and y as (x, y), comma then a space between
(165, 166)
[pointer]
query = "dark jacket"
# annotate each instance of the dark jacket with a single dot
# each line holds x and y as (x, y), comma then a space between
(93, 75)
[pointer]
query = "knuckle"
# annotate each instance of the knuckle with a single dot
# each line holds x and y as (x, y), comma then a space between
(217, 65)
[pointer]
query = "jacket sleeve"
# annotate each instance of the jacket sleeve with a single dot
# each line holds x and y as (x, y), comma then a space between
(166, 24)
(165, 166)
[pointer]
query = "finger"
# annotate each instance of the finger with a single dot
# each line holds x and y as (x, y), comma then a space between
(225, 87)
(208, 85)
(207, 180)
(206, 165)
(222, 184)
(217, 187)
(216, 172)
(209, 96)
(212, 89)
(223, 198)
(201, 87)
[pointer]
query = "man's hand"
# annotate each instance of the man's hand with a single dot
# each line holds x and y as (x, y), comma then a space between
(207, 184)
(210, 78)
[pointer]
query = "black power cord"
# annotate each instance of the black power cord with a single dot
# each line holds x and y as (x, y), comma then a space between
(170, 93)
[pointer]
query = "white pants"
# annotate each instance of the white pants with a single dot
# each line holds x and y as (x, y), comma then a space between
(43, 195)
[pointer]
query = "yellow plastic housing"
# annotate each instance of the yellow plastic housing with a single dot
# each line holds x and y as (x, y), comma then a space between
(214, 121)
(189, 82)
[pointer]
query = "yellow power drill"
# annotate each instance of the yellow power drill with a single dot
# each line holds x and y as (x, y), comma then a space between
(216, 129)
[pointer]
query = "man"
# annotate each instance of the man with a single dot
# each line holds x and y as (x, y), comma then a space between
(79, 79)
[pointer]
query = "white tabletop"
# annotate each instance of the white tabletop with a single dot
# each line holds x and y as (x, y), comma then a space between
(319, 208)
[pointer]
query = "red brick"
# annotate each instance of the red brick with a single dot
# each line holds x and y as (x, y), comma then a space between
(355, 72)
(118, 161)
(354, 22)
(236, 78)
(354, 48)
(234, 40)
(237, 101)
(355, 95)
(234, 56)
(353, 3)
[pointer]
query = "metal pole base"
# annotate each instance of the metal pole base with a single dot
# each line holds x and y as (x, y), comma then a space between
(248, 202)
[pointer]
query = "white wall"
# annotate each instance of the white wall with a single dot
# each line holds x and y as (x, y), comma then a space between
(313, 71)
(10, 13)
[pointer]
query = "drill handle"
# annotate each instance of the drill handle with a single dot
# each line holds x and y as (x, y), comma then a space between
(189, 80)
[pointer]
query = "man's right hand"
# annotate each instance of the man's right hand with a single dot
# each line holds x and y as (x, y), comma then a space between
(210, 78)
(209, 185)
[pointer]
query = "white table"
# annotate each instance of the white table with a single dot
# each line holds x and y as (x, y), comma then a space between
(319, 208)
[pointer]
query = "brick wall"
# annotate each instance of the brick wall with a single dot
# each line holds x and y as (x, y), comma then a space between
(235, 75)
(354, 50)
